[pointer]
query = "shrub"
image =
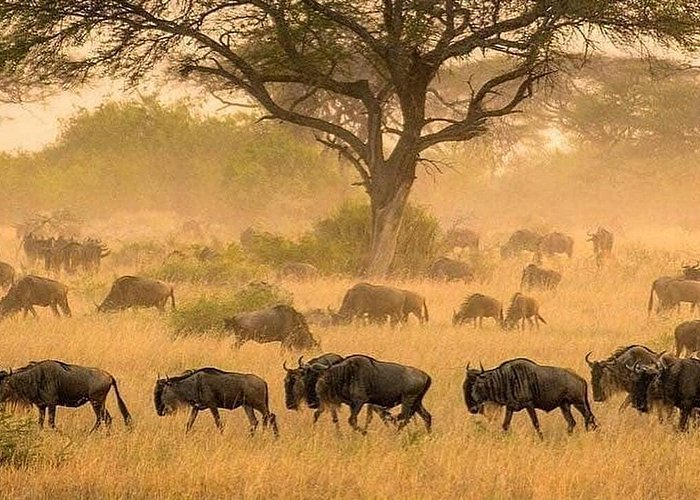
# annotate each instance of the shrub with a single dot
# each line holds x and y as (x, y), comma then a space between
(18, 440)
(207, 314)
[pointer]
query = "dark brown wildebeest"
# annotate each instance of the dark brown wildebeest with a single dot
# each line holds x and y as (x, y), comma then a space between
(134, 291)
(555, 243)
(359, 380)
(32, 291)
(521, 240)
(687, 336)
(415, 304)
(211, 389)
(523, 308)
(298, 271)
(280, 323)
(7, 275)
(295, 388)
(376, 303)
(448, 269)
(538, 277)
(48, 384)
(522, 384)
(672, 291)
(460, 238)
(602, 241)
(478, 306)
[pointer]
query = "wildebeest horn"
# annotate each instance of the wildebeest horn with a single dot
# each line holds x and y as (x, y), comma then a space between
(468, 366)
(284, 365)
(299, 361)
(481, 366)
(587, 358)
(319, 367)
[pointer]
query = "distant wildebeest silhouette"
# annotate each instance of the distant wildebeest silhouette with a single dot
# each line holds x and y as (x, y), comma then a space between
(538, 277)
(602, 241)
(521, 309)
(478, 306)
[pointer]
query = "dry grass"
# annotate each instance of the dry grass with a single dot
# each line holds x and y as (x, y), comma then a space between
(466, 456)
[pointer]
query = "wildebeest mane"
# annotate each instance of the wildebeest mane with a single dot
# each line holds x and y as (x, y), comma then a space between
(623, 349)
(471, 297)
(511, 382)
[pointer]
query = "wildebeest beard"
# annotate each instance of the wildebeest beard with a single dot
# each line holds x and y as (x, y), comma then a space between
(174, 405)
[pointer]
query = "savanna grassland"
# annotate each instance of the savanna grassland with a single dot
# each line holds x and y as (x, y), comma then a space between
(466, 456)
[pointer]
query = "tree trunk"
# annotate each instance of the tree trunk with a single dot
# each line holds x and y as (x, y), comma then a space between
(387, 215)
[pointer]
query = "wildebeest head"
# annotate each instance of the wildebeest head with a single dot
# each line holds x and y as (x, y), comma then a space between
(600, 378)
(311, 375)
(165, 398)
(646, 375)
(4, 385)
(294, 385)
(10, 303)
(475, 394)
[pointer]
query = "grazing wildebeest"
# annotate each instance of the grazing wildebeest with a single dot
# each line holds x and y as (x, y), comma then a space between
(211, 389)
(32, 291)
(672, 291)
(691, 272)
(522, 384)
(554, 243)
(298, 271)
(280, 323)
(678, 383)
(538, 277)
(298, 379)
(461, 238)
(477, 307)
(521, 240)
(359, 380)
(687, 336)
(602, 241)
(523, 308)
(415, 304)
(375, 302)
(134, 291)
(448, 269)
(7, 275)
(48, 384)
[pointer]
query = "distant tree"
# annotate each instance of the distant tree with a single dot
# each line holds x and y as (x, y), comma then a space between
(361, 73)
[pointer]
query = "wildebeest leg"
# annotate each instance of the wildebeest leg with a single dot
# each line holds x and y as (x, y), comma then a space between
(65, 308)
(54, 310)
(33, 311)
(426, 416)
(217, 419)
(585, 410)
(683, 422)
(522, 325)
(481, 321)
(99, 409)
(408, 409)
(52, 417)
(566, 411)
(537, 322)
(107, 418)
(535, 422)
(190, 421)
(42, 416)
(530, 322)
(506, 421)
(251, 418)
(334, 417)
(355, 409)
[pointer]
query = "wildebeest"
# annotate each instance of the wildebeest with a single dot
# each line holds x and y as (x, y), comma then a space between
(448, 269)
(211, 389)
(521, 240)
(375, 302)
(538, 277)
(687, 336)
(461, 238)
(298, 379)
(678, 383)
(672, 291)
(319, 317)
(280, 323)
(553, 243)
(522, 384)
(478, 306)
(602, 241)
(7, 275)
(32, 291)
(48, 384)
(415, 304)
(298, 271)
(359, 380)
(134, 291)
(523, 308)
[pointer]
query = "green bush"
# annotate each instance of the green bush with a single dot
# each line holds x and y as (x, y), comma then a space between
(207, 314)
(18, 440)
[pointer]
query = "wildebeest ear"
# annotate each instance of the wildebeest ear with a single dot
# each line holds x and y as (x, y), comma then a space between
(319, 367)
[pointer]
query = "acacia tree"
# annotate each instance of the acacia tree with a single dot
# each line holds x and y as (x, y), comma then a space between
(360, 73)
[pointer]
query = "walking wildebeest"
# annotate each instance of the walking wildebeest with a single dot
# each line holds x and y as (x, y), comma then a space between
(7, 275)
(448, 269)
(32, 291)
(359, 380)
(298, 271)
(460, 238)
(602, 241)
(477, 307)
(678, 383)
(134, 291)
(672, 291)
(554, 243)
(211, 389)
(415, 304)
(48, 384)
(376, 302)
(687, 336)
(298, 379)
(280, 323)
(522, 384)
(521, 240)
(523, 308)
(538, 277)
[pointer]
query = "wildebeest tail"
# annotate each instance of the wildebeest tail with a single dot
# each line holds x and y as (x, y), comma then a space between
(120, 402)
(172, 297)
(650, 305)
(541, 318)
(425, 310)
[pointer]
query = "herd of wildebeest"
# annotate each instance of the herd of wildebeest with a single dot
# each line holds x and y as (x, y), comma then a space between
(663, 381)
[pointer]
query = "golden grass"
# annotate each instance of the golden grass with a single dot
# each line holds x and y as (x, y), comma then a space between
(466, 456)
